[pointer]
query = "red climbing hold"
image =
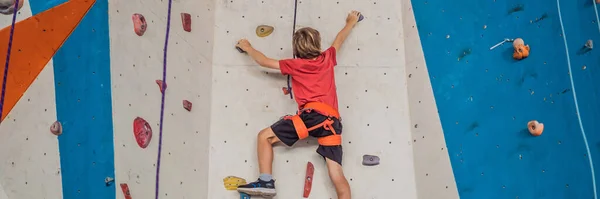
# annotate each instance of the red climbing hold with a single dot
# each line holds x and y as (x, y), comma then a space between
(187, 105)
(285, 90)
(56, 128)
(160, 85)
(125, 190)
(310, 170)
(139, 24)
(186, 20)
(142, 132)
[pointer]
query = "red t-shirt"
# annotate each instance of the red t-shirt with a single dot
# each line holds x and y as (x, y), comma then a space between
(313, 80)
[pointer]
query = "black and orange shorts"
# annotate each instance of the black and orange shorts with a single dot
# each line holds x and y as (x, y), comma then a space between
(285, 131)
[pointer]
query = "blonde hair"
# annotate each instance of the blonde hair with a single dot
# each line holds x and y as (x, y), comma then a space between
(307, 43)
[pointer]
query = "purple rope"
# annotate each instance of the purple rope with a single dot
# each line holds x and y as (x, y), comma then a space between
(162, 102)
(10, 39)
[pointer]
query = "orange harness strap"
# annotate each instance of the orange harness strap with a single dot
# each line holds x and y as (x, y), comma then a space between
(331, 140)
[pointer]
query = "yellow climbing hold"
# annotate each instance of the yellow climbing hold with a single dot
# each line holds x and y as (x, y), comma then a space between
(232, 182)
(264, 30)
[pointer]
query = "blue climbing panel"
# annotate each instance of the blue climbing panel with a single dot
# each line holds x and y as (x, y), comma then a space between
(485, 97)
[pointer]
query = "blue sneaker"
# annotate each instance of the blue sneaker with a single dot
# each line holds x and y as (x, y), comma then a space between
(259, 188)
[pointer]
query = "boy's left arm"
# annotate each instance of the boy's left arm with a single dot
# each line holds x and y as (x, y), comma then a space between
(258, 56)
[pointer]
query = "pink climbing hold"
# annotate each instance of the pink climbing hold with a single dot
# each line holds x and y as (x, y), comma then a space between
(142, 132)
(187, 105)
(56, 128)
(139, 24)
(186, 20)
(160, 85)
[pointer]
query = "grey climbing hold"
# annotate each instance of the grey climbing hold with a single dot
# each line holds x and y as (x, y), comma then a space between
(370, 160)
(108, 181)
(589, 44)
(7, 7)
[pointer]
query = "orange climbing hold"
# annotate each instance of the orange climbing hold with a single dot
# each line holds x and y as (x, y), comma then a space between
(35, 40)
(521, 50)
(139, 24)
(186, 21)
(187, 105)
(535, 128)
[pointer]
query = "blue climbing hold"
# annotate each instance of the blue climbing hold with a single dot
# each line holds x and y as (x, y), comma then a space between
(244, 196)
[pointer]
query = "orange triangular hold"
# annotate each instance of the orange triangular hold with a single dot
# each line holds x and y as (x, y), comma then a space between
(35, 40)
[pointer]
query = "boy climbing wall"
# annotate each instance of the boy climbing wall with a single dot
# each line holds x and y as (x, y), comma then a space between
(313, 84)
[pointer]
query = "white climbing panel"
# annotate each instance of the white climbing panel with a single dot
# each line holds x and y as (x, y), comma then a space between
(30, 166)
(136, 62)
(433, 171)
(371, 87)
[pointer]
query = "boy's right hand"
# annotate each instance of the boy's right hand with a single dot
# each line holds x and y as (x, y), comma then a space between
(352, 18)
(244, 44)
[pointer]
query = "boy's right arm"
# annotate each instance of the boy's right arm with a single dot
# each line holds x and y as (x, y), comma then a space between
(258, 56)
(351, 20)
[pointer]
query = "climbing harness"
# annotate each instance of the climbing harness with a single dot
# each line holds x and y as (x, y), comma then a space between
(324, 109)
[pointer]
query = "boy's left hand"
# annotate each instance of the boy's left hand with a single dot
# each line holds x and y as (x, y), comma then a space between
(244, 44)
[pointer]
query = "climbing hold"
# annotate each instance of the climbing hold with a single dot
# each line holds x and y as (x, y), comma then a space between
(370, 160)
(244, 195)
(264, 30)
(139, 24)
(521, 50)
(589, 44)
(518, 42)
(125, 190)
(187, 105)
(186, 20)
(360, 17)
(56, 128)
(240, 50)
(161, 85)
(285, 90)
(535, 128)
(7, 7)
(108, 181)
(142, 132)
(232, 182)
(308, 180)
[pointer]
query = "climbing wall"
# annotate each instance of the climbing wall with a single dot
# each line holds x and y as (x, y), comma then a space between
(30, 166)
(104, 76)
(136, 62)
(371, 86)
(485, 97)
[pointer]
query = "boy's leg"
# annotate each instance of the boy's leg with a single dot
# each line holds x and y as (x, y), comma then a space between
(266, 139)
(336, 174)
(282, 131)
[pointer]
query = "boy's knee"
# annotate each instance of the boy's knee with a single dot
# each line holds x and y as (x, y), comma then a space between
(268, 135)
